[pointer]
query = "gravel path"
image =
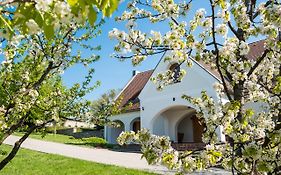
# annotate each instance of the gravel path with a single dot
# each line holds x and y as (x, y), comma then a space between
(124, 159)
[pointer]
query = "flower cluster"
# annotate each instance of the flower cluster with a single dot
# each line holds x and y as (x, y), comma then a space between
(158, 149)
(42, 5)
(247, 105)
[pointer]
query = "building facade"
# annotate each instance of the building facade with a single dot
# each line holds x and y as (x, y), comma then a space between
(165, 112)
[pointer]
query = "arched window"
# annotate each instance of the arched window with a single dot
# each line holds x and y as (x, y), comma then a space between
(175, 68)
(136, 125)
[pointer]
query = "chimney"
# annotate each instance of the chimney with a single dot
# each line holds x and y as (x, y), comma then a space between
(135, 72)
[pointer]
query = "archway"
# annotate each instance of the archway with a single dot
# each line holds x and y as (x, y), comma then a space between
(185, 130)
(135, 124)
(114, 132)
(189, 129)
(178, 123)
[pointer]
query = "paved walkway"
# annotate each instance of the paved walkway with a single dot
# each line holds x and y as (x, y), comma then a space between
(124, 159)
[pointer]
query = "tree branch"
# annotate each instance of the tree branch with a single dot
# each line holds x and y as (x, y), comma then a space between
(18, 143)
(14, 127)
(217, 52)
(258, 62)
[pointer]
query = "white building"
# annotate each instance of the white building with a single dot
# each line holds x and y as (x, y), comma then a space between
(72, 123)
(165, 112)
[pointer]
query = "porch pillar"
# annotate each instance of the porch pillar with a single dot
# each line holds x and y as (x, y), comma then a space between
(127, 126)
(105, 133)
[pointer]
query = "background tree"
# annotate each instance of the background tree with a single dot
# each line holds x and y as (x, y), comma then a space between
(103, 107)
(27, 72)
(37, 40)
(218, 36)
(107, 105)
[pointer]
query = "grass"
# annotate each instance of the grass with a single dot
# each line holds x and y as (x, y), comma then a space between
(90, 142)
(29, 162)
(50, 137)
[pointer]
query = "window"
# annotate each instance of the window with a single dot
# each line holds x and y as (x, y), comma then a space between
(175, 68)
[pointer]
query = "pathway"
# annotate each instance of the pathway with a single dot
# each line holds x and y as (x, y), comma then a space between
(124, 159)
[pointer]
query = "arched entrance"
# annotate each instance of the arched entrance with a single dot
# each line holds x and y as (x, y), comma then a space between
(179, 123)
(135, 125)
(114, 132)
(189, 129)
(185, 130)
(198, 129)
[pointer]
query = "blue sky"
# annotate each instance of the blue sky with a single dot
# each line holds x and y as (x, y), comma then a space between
(113, 73)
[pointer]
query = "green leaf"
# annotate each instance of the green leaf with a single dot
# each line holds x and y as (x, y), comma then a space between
(103, 4)
(212, 159)
(39, 19)
(6, 23)
(92, 15)
(107, 12)
(113, 6)
(49, 31)
(72, 2)
(217, 154)
(82, 4)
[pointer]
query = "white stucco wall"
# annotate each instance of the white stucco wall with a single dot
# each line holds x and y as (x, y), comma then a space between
(154, 102)
(111, 134)
(159, 126)
(167, 122)
(193, 83)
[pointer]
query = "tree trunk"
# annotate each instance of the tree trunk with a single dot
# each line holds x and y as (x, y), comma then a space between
(17, 145)
(16, 148)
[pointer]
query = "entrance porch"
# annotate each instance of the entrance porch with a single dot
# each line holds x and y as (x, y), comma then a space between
(180, 124)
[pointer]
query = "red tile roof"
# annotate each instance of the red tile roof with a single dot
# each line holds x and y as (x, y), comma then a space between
(256, 49)
(131, 92)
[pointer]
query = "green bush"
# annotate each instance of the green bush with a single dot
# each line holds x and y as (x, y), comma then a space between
(95, 140)
(91, 141)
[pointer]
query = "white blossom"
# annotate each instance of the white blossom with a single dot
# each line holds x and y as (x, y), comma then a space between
(33, 27)
(43, 5)
(222, 29)
(62, 8)
(247, 102)
(244, 48)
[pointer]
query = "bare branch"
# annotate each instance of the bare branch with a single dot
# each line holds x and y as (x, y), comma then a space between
(217, 52)
(258, 62)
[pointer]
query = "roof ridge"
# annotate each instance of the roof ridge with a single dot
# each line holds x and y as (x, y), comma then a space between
(133, 88)
(254, 42)
(146, 71)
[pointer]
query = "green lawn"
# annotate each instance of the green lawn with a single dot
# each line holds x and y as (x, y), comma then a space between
(90, 142)
(50, 137)
(29, 162)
